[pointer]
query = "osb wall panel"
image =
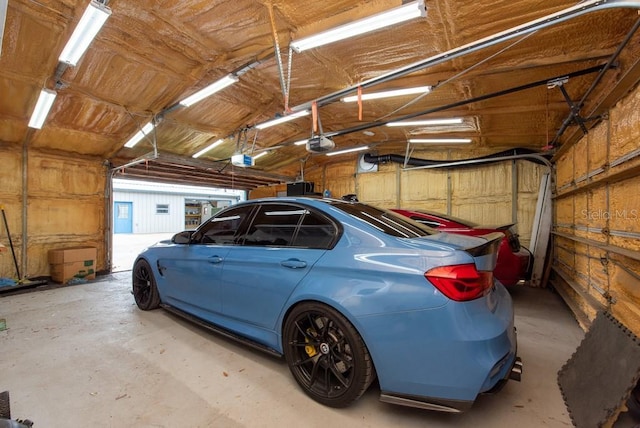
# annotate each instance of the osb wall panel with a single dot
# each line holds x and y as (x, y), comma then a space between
(624, 275)
(66, 208)
(624, 213)
(605, 209)
(597, 147)
(379, 188)
(598, 274)
(565, 252)
(11, 172)
(526, 214)
(563, 213)
(316, 176)
(266, 191)
(339, 179)
(580, 207)
(483, 194)
(625, 130)
(580, 160)
(423, 188)
(595, 216)
(564, 169)
(11, 201)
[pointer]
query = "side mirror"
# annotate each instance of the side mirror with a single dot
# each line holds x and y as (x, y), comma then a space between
(182, 237)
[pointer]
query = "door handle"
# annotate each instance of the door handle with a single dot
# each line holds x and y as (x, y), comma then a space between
(215, 259)
(294, 263)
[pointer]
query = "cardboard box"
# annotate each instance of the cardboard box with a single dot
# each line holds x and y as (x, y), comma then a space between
(74, 262)
(72, 254)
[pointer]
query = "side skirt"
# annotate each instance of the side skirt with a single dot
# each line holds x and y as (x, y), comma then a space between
(450, 406)
(222, 331)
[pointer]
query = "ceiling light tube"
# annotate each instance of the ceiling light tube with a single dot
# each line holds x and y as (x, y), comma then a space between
(414, 9)
(259, 155)
(43, 105)
(388, 94)
(428, 122)
(354, 149)
(209, 90)
(282, 119)
(146, 130)
(206, 149)
(301, 142)
(91, 22)
(440, 140)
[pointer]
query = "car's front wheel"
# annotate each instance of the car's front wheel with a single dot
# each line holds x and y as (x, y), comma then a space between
(145, 291)
(326, 355)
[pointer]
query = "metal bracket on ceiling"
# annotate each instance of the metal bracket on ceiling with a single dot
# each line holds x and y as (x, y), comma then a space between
(574, 115)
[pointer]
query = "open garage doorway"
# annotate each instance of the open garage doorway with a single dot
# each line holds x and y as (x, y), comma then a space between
(147, 212)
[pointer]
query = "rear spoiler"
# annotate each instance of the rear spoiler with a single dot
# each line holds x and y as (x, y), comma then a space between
(503, 227)
(490, 247)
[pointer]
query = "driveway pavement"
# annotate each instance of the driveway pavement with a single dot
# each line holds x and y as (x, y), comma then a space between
(127, 246)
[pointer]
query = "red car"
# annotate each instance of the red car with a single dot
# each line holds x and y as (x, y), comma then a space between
(514, 261)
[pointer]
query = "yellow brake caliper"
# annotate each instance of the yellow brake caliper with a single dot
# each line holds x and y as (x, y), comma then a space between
(310, 349)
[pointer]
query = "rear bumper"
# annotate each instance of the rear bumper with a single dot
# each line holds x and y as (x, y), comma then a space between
(451, 406)
(458, 351)
(513, 267)
(515, 373)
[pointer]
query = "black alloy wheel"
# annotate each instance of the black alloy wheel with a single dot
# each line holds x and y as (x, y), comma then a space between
(326, 355)
(145, 291)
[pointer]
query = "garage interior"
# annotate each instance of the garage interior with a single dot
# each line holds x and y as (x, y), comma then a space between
(523, 97)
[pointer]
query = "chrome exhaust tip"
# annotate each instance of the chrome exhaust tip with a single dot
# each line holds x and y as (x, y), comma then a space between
(516, 370)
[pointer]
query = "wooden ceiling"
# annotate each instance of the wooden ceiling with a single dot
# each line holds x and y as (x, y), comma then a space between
(151, 54)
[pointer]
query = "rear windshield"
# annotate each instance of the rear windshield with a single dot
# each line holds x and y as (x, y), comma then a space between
(386, 221)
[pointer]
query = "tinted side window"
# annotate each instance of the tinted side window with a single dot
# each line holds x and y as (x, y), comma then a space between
(224, 228)
(275, 225)
(316, 231)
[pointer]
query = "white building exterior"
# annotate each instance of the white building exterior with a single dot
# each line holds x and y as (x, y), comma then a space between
(145, 207)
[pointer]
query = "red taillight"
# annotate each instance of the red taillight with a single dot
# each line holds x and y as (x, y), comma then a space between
(461, 282)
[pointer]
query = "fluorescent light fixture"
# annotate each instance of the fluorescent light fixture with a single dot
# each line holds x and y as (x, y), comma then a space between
(206, 149)
(354, 149)
(301, 142)
(429, 122)
(259, 155)
(43, 105)
(440, 140)
(4, 4)
(414, 9)
(209, 90)
(146, 130)
(282, 119)
(388, 94)
(91, 22)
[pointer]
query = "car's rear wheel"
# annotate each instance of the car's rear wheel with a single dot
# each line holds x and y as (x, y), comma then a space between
(145, 291)
(326, 355)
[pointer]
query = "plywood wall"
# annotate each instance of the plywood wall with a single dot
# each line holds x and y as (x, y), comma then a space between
(596, 250)
(65, 207)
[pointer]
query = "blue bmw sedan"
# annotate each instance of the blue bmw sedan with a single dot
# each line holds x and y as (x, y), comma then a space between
(346, 292)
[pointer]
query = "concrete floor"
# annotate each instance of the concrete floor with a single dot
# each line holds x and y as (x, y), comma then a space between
(84, 355)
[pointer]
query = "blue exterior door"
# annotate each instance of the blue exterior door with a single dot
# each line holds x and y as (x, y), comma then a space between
(122, 217)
